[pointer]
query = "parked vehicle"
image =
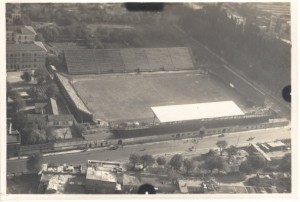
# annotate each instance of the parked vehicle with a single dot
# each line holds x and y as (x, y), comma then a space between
(222, 135)
(113, 147)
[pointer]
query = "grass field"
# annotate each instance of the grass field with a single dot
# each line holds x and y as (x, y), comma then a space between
(116, 97)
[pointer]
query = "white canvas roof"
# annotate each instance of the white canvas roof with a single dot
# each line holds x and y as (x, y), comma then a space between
(186, 112)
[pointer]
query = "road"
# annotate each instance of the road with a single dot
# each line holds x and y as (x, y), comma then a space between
(280, 106)
(167, 148)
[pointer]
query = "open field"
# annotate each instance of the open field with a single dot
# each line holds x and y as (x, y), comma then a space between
(116, 97)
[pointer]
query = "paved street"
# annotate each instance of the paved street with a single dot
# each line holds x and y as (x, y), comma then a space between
(159, 148)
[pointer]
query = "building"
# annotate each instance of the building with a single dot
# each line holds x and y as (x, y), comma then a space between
(62, 133)
(61, 179)
(39, 107)
(20, 34)
(60, 120)
(12, 16)
(276, 146)
(25, 57)
(13, 141)
(52, 106)
(104, 176)
(65, 120)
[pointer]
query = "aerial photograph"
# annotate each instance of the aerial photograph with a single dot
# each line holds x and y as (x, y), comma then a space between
(148, 98)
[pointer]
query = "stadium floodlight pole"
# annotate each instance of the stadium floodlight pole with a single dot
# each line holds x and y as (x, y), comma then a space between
(238, 140)
(153, 119)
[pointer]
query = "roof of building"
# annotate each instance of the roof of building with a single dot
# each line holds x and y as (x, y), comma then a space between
(33, 117)
(28, 30)
(128, 59)
(53, 106)
(12, 139)
(103, 170)
(36, 46)
(131, 180)
(184, 184)
(41, 45)
(40, 105)
(9, 100)
(62, 117)
(72, 93)
(100, 175)
(261, 152)
(21, 29)
(172, 113)
(276, 144)
(24, 94)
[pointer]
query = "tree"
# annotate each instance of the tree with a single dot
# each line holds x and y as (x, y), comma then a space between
(285, 163)
(214, 162)
(188, 165)
(134, 159)
(41, 75)
(49, 134)
(232, 150)
(80, 129)
(245, 167)
(39, 37)
(222, 144)
(26, 76)
(253, 163)
(195, 142)
(147, 160)
(19, 121)
(34, 162)
(258, 162)
(161, 160)
(52, 91)
(176, 162)
(19, 103)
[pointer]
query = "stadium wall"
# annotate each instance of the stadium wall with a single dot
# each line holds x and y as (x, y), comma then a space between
(193, 128)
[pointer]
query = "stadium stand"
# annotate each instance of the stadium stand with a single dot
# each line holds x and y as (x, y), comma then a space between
(88, 61)
(78, 108)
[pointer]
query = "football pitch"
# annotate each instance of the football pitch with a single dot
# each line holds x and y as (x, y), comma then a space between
(128, 97)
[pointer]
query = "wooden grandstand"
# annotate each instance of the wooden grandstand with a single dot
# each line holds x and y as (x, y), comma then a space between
(90, 61)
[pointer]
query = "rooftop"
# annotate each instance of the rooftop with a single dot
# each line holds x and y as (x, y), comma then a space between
(130, 180)
(72, 93)
(12, 139)
(184, 184)
(172, 113)
(53, 106)
(276, 144)
(35, 46)
(67, 117)
(22, 29)
(103, 170)
(40, 105)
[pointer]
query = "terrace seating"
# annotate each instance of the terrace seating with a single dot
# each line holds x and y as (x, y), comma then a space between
(88, 61)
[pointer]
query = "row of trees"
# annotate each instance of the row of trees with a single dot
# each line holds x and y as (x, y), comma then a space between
(40, 75)
(260, 58)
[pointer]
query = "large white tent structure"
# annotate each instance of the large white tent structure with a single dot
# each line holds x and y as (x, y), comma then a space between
(173, 113)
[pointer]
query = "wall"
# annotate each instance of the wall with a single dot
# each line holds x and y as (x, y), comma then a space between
(84, 144)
